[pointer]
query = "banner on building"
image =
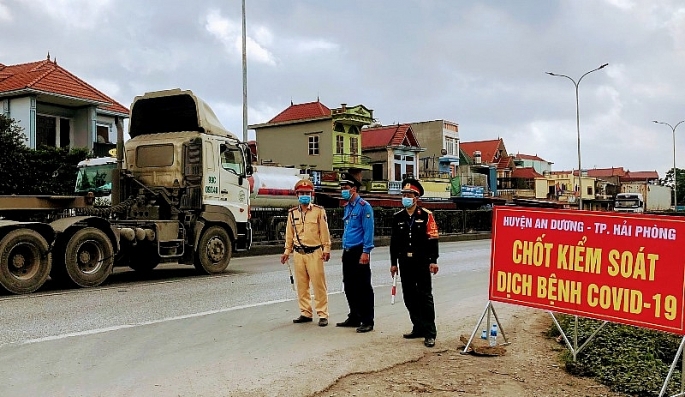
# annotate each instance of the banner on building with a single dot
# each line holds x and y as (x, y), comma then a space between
(621, 268)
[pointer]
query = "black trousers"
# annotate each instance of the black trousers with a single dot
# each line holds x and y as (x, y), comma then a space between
(417, 291)
(358, 289)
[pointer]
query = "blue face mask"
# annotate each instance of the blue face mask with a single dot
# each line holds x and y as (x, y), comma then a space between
(346, 194)
(407, 202)
(305, 200)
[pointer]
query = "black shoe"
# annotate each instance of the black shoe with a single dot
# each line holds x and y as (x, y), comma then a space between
(348, 323)
(302, 319)
(323, 322)
(412, 335)
(429, 342)
(364, 328)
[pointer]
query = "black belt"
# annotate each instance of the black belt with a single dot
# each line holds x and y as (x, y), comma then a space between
(305, 249)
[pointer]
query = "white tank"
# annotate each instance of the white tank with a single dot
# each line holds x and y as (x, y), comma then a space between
(272, 186)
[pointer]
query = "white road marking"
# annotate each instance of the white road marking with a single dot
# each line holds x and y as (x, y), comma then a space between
(162, 320)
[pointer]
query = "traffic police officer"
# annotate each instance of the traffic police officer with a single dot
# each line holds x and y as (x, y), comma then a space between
(357, 244)
(414, 244)
(307, 235)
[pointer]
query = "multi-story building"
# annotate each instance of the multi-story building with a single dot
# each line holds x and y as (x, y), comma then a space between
(440, 139)
(313, 137)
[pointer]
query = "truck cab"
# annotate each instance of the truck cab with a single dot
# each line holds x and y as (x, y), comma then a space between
(629, 202)
(188, 168)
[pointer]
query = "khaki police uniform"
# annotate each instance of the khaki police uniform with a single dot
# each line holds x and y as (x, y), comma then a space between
(308, 237)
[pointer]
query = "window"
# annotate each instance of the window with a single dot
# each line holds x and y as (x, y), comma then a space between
(378, 172)
(102, 133)
(155, 155)
(410, 170)
(46, 131)
(353, 146)
(52, 131)
(231, 159)
(64, 132)
(589, 190)
(398, 172)
(451, 146)
(339, 144)
(314, 145)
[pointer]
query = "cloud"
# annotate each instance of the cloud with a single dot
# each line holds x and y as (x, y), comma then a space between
(315, 45)
(5, 14)
(229, 33)
(78, 14)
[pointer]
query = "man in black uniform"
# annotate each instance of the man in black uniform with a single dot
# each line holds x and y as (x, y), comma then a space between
(414, 244)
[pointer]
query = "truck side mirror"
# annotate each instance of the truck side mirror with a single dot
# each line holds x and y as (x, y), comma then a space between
(248, 161)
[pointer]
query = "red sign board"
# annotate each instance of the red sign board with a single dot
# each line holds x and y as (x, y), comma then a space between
(621, 268)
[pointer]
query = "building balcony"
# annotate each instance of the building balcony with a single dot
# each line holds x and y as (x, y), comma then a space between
(348, 161)
(510, 194)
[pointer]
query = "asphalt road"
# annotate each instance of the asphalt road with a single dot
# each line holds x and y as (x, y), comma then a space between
(174, 334)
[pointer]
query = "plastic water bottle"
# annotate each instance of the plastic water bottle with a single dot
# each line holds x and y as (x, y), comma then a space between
(493, 335)
(484, 335)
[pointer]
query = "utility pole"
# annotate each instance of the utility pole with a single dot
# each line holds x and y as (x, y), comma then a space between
(244, 77)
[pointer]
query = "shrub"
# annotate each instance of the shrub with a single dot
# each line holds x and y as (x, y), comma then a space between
(628, 359)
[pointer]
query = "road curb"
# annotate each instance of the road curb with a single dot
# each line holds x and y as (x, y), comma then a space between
(272, 249)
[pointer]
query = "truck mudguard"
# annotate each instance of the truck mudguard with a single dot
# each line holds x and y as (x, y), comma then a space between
(46, 231)
(215, 214)
(61, 226)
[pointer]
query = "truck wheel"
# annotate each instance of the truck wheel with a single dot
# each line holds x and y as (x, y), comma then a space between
(88, 257)
(25, 261)
(280, 230)
(144, 257)
(214, 251)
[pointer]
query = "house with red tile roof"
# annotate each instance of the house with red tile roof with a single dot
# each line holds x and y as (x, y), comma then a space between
(393, 153)
(313, 137)
(488, 157)
(640, 176)
(540, 165)
(56, 108)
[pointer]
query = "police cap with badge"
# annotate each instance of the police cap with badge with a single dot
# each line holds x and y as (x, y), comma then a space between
(304, 185)
(348, 179)
(411, 185)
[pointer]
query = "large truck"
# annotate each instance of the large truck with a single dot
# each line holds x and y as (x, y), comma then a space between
(180, 194)
(643, 197)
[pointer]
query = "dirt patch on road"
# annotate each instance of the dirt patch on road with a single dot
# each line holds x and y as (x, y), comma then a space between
(530, 367)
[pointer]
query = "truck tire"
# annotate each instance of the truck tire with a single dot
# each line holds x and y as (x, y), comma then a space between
(214, 251)
(25, 261)
(87, 258)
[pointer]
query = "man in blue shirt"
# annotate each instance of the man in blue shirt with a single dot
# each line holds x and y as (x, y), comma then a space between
(357, 245)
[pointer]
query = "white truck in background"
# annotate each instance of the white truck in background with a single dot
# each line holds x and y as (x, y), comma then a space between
(643, 197)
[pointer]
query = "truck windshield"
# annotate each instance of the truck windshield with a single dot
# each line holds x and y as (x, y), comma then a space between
(95, 178)
(627, 203)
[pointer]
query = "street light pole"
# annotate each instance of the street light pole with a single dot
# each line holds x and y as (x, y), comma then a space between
(675, 180)
(244, 42)
(580, 180)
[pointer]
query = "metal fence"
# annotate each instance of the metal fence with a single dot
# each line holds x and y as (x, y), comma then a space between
(268, 225)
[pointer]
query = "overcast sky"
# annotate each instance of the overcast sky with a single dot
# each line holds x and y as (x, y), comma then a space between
(480, 64)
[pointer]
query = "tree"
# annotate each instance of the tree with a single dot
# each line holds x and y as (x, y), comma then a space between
(47, 170)
(667, 180)
(13, 156)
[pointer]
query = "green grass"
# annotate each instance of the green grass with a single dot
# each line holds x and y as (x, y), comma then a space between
(630, 360)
